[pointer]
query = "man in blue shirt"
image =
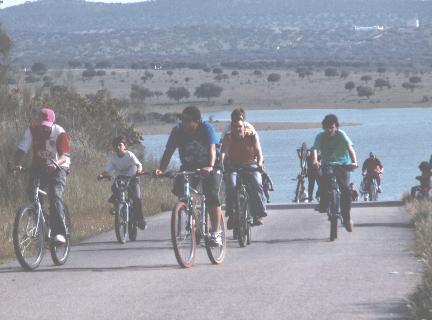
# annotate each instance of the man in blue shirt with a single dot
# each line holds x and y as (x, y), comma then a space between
(337, 154)
(196, 141)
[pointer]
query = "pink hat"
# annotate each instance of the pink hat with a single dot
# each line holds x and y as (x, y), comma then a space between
(46, 117)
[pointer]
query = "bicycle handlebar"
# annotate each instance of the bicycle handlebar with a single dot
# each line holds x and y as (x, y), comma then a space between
(109, 177)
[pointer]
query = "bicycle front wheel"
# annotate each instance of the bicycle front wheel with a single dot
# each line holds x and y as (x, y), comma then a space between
(59, 254)
(120, 222)
(183, 235)
(29, 237)
(333, 206)
(216, 254)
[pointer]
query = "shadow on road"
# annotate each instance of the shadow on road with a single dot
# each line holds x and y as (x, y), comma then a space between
(397, 310)
(384, 225)
(93, 269)
(100, 243)
(276, 241)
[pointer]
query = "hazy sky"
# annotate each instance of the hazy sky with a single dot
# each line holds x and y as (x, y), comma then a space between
(8, 3)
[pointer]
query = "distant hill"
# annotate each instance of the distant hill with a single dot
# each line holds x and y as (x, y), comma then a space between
(55, 31)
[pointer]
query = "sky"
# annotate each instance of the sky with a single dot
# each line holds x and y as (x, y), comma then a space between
(8, 3)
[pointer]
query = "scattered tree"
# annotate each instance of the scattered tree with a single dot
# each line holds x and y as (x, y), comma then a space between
(139, 93)
(257, 73)
(409, 86)
(350, 85)
(217, 70)
(74, 64)
(415, 79)
(380, 83)
(39, 68)
(208, 90)
(234, 73)
(330, 72)
(366, 78)
(273, 77)
(344, 74)
(178, 93)
(381, 70)
(364, 91)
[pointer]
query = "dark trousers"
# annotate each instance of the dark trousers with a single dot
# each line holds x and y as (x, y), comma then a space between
(55, 184)
(134, 192)
(312, 178)
(343, 179)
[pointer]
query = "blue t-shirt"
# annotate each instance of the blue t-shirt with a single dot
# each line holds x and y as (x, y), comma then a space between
(334, 150)
(194, 149)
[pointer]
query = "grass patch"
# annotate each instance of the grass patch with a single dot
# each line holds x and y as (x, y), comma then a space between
(421, 300)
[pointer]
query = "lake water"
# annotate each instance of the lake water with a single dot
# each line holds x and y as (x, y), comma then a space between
(400, 137)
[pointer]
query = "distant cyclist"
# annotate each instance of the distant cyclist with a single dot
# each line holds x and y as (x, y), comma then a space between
(425, 181)
(49, 142)
(196, 141)
(124, 162)
(336, 149)
(372, 168)
(241, 149)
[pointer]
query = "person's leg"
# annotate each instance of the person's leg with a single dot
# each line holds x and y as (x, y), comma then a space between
(324, 187)
(230, 181)
(256, 194)
(57, 181)
(343, 180)
(311, 185)
(211, 187)
(135, 192)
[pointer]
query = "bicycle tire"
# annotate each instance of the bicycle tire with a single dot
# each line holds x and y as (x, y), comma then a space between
(133, 230)
(374, 190)
(120, 225)
(242, 213)
(60, 254)
(216, 254)
(183, 235)
(297, 192)
(27, 217)
(333, 215)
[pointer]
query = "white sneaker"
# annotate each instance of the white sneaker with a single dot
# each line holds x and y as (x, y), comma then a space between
(60, 239)
(216, 239)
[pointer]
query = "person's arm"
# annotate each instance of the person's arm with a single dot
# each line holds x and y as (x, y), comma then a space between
(171, 146)
(259, 154)
(352, 155)
(63, 150)
(166, 157)
(22, 149)
(224, 148)
(380, 166)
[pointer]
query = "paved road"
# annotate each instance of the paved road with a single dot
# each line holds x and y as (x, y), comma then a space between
(291, 271)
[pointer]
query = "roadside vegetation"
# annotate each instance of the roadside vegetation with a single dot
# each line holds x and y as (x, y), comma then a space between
(91, 122)
(421, 299)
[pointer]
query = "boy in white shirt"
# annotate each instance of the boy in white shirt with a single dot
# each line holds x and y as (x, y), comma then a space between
(124, 162)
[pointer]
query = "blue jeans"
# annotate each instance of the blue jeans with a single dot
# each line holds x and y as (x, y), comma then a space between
(56, 183)
(254, 188)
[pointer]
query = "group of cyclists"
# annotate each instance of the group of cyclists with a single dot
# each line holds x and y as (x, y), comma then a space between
(200, 148)
(372, 169)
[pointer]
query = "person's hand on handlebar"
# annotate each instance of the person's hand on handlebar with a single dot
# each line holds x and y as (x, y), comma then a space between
(206, 170)
(158, 172)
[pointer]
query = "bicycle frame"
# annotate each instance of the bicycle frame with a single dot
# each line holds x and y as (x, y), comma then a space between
(188, 197)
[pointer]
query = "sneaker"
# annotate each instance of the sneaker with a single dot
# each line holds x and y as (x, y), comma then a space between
(59, 239)
(230, 224)
(142, 224)
(349, 226)
(215, 239)
(258, 221)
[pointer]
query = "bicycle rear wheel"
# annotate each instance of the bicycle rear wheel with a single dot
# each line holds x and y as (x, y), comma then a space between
(298, 191)
(216, 254)
(60, 254)
(120, 222)
(29, 237)
(333, 215)
(374, 191)
(183, 235)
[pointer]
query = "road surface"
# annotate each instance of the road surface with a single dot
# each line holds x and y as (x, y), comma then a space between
(291, 271)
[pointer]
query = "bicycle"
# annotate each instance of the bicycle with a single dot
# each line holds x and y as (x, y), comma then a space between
(371, 193)
(190, 222)
(243, 220)
(300, 189)
(125, 225)
(31, 233)
(333, 208)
